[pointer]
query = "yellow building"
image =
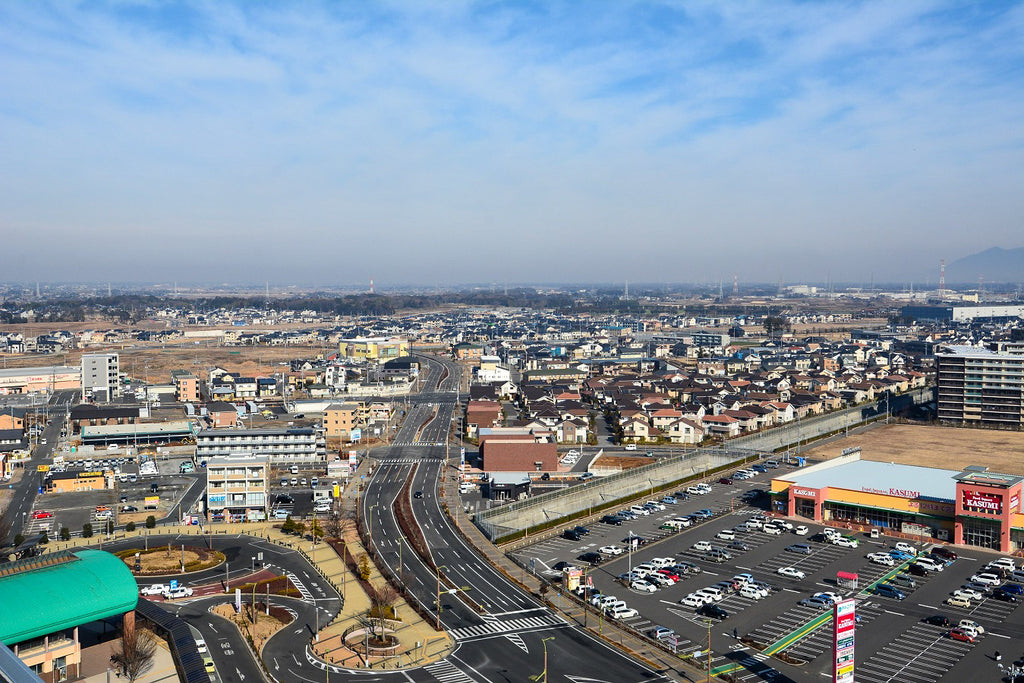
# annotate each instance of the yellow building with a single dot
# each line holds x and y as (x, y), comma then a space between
(374, 348)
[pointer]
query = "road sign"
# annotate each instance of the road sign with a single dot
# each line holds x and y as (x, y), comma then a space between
(173, 583)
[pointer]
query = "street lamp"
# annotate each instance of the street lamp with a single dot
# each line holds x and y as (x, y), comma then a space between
(542, 677)
(369, 528)
(438, 574)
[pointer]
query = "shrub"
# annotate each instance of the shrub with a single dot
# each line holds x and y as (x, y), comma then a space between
(151, 522)
(19, 539)
(87, 530)
(289, 525)
(130, 526)
(45, 538)
(364, 568)
(65, 533)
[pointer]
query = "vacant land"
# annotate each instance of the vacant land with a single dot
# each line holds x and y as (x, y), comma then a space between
(948, 448)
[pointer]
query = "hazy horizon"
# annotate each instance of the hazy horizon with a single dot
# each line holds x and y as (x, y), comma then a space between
(481, 142)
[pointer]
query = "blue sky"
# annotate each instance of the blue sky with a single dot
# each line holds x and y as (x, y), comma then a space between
(332, 142)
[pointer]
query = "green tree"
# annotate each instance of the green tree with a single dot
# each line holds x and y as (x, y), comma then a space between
(151, 522)
(316, 530)
(289, 525)
(300, 528)
(130, 526)
(19, 539)
(45, 538)
(65, 533)
(87, 530)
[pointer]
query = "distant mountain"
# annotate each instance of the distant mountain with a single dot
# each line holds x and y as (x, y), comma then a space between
(995, 265)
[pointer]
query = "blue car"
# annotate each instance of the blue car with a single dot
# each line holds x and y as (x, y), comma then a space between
(705, 513)
(1013, 588)
(899, 555)
(669, 500)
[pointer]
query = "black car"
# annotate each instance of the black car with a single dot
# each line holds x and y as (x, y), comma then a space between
(129, 508)
(612, 519)
(1000, 594)
(593, 558)
(546, 476)
(916, 569)
(419, 494)
(284, 499)
(559, 566)
(711, 610)
(572, 535)
(680, 495)
(938, 620)
(945, 553)
(582, 530)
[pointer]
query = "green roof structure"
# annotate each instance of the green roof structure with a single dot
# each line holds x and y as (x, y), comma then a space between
(61, 590)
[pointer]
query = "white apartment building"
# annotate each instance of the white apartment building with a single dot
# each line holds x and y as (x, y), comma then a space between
(100, 374)
(237, 488)
(283, 446)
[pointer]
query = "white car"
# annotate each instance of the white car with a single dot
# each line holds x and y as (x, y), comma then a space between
(968, 593)
(754, 523)
(656, 505)
(726, 535)
(661, 579)
(201, 645)
(643, 586)
(744, 578)
(844, 542)
(694, 601)
(772, 530)
(906, 548)
(753, 592)
(155, 589)
(882, 558)
(971, 625)
(801, 530)
(702, 546)
(833, 597)
(179, 592)
(987, 579)
(622, 613)
(611, 550)
(791, 572)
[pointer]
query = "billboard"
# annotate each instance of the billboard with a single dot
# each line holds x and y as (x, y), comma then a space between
(353, 460)
(844, 624)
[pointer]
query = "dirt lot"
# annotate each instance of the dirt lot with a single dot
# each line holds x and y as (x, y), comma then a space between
(943, 447)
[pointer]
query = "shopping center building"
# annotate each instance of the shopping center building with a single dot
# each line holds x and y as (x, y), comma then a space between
(967, 507)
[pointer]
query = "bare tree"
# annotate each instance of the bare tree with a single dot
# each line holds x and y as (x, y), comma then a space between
(382, 602)
(134, 653)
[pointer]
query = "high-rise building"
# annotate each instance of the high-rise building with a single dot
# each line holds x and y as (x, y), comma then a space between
(980, 386)
(100, 376)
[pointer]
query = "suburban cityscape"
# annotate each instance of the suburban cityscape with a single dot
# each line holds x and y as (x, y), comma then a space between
(645, 341)
(558, 482)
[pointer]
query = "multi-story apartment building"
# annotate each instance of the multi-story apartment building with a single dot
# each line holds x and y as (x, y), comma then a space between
(980, 386)
(186, 386)
(340, 419)
(100, 376)
(283, 446)
(237, 487)
(374, 348)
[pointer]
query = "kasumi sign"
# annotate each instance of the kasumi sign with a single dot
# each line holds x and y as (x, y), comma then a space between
(844, 625)
(983, 501)
(807, 493)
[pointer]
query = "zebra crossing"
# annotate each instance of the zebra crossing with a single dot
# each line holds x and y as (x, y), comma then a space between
(417, 443)
(446, 672)
(491, 628)
(306, 595)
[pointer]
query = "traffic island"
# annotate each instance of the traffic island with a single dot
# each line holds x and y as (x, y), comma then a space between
(170, 560)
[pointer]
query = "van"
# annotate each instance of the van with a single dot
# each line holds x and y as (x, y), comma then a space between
(889, 591)
(771, 464)
(929, 564)
(314, 481)
(904, 580)
(294, 469)
(630, 446)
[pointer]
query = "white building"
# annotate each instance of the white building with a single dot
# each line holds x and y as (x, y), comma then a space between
(100, 376)
(237, 488)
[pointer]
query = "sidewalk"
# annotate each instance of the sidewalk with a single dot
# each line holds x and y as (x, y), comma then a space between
(604, 629)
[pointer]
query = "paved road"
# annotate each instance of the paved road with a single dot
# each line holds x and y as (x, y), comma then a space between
(506, 640)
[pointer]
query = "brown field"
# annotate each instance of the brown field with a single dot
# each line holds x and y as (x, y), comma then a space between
(948, 448)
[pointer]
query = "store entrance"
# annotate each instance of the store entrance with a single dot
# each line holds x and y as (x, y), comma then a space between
(805, 508)
(981, 534)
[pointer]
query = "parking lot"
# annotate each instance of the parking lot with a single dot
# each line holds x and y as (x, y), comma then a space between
(751, 628)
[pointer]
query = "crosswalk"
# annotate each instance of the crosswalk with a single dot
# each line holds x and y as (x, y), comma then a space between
(446, 672)
(405, 461)
(418, 443)
(306, 595)
(496, 627)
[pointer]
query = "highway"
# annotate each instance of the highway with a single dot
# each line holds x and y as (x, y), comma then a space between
(506, 639)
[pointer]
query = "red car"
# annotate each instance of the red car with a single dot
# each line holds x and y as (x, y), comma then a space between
(42, 514)
(960, 634)
(726, 480)
(669, 574)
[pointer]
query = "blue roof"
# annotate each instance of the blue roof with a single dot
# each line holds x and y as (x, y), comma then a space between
(882, 477)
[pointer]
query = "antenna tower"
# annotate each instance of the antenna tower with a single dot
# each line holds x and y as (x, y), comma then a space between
(942, 277)
(371, 285)
(735, 285)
